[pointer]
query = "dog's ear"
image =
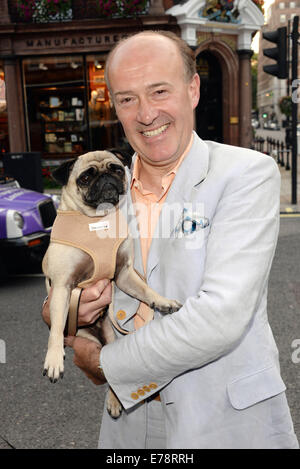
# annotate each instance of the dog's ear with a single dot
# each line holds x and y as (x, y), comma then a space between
(124, 155)
(62, 173)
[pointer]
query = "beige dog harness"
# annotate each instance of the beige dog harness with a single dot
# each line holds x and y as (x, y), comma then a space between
(99, 237)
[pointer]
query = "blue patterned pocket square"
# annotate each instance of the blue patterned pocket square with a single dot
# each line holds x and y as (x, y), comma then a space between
(189, 223)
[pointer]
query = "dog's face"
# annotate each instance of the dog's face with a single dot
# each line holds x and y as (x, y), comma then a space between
(93, 179)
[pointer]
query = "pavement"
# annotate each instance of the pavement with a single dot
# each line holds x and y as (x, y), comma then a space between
(286, 205)
(286, 190)
(35, 414)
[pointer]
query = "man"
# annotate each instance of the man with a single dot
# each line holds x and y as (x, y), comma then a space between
(206, 376)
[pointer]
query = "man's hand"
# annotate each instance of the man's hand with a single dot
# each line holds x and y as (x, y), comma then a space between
(93, 299)
(86, 357)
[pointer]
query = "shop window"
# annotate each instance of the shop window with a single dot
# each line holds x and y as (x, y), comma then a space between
(4, 142)
(56, 105)
(105, 129)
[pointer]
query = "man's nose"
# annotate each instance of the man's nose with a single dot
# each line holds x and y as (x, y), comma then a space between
(147, 112)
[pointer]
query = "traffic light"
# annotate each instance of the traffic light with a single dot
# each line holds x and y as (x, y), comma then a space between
(279, 53)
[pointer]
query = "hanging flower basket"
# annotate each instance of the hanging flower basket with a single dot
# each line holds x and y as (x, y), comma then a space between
(132, 7)
(121, 8)
(43, 11)
(107, 8)
(26, 9)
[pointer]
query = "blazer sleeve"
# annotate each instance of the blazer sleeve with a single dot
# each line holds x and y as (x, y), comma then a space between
(240, 250)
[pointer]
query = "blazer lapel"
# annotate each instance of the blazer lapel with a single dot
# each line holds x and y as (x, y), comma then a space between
(191, 172)
(127, 208)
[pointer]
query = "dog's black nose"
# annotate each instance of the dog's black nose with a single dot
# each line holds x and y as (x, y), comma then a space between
(110, 193)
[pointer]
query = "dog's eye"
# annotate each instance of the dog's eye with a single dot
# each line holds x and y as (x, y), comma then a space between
(87, 176)
(117, 169)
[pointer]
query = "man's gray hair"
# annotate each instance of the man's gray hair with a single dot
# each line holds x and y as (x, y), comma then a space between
(187, 54)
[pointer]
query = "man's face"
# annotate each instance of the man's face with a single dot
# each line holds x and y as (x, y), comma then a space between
(153, 100)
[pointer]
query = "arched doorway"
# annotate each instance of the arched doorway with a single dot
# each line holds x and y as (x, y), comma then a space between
(209, 112)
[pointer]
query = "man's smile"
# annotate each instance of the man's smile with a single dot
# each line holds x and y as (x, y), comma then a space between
(155, 132)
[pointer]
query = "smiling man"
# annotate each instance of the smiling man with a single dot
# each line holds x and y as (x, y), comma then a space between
(208, 375)
(155, 98)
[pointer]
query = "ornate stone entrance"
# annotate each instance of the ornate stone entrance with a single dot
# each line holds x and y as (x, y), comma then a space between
(223, 30)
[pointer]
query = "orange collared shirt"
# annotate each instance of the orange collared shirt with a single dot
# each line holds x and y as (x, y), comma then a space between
(148, 206)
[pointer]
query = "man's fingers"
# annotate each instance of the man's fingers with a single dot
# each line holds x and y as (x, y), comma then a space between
(89, 311)
(94, 292)
(69, 341)
(93, 300)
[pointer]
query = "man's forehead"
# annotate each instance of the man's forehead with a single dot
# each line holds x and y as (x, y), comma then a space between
(146, 63)
(142, 46)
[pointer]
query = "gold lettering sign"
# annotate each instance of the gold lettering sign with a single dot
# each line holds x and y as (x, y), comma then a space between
(234, 120)
(75, 41)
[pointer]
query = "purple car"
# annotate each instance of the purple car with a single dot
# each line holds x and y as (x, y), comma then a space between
(26, 219)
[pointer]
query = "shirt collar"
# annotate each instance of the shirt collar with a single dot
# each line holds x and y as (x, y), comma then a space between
(137, 164)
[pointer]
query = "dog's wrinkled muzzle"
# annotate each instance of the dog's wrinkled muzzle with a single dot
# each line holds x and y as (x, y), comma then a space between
(105, 189)
(110, 193)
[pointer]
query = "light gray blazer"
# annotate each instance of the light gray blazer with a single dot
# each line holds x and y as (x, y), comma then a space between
(214, 361)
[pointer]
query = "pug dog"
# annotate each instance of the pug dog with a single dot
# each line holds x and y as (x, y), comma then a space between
(90, 182)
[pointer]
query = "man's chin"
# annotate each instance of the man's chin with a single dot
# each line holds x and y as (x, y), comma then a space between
(159, 157)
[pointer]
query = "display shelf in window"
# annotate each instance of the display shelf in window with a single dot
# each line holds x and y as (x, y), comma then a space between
(61, 114)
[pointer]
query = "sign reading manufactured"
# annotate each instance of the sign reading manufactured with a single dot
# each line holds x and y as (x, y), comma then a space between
(67, 43)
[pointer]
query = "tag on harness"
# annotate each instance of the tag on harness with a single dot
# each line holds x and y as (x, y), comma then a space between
(100, 225)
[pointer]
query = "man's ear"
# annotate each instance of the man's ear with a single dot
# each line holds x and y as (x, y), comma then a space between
(195, 90)
(62, 173)
(124, 155)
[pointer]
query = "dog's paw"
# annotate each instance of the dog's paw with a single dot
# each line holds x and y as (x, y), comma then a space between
(113, 405)
(54, 365)
(168, 306)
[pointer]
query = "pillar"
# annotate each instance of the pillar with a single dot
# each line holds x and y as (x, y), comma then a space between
(245, 95)
(4, 16)
(15, 105)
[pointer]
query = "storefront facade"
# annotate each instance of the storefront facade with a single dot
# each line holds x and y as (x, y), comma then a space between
(56, 97)
(221, 34)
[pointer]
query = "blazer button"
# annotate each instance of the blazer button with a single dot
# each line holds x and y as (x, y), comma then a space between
(146, 388)
(141, 392)
(121, 315)
(134, 396)
(152, 385)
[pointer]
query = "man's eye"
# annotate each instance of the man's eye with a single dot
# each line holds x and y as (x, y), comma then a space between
(126, 100)
(161, 92)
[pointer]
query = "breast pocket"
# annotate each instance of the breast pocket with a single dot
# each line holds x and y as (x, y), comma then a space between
(194, 241)
(186, 255)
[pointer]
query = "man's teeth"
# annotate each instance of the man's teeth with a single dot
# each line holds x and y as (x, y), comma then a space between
(151, 133)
